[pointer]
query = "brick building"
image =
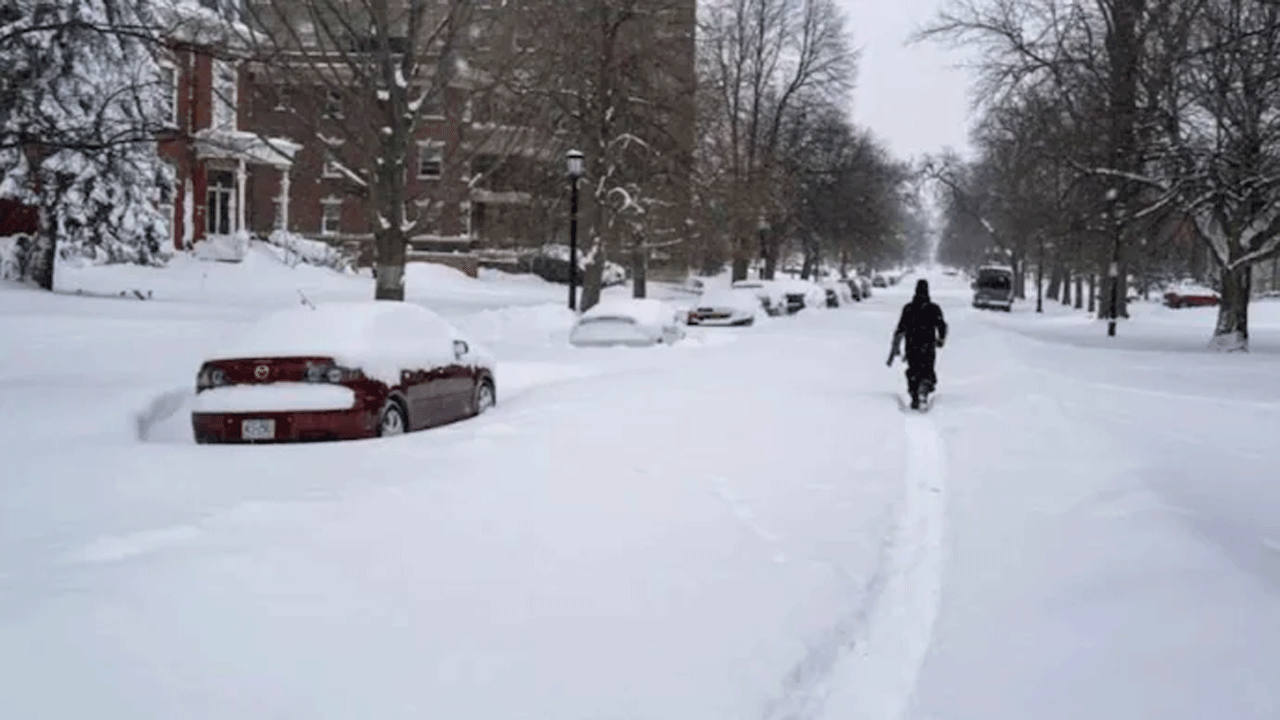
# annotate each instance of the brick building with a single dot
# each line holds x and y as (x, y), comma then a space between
(215, 158)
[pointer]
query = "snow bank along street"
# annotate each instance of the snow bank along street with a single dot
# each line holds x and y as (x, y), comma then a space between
(742, 525)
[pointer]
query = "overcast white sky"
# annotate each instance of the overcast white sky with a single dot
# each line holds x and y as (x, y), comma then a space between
(910, 96)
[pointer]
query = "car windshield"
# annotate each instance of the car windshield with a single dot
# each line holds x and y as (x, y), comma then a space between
(994, 280)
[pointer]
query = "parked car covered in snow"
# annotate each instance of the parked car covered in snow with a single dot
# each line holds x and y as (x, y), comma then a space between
(728, 306)
(1189, 293)
(341, 371)
(800, 294)
(771, 297)
(865, 284)
(627, 322)
(838, 293)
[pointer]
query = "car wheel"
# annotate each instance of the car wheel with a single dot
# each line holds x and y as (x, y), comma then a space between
(392, 421)
(486, 397)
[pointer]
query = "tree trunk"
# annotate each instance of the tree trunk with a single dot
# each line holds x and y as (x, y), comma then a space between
(592, 275)
(1231, 334)
(1093, 293)
(741, 261)
(389, 253)
(1066, 288)
(639, 270)
(1040, 286)
(1079, 292)
(770, 269)
(1055, 284)
(1019, 277)
(42, 255)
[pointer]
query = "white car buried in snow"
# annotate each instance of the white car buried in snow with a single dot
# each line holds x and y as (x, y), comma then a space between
(341, 371)
(629, 322)
(725, 307)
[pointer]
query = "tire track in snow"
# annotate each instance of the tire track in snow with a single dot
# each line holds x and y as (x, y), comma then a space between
(868, 665)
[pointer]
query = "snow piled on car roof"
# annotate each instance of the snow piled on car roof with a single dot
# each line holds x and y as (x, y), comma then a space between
(643, 311)
(381, 338)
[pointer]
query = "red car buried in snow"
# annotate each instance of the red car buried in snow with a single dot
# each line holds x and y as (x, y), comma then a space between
(341, 371)
(1190, 294)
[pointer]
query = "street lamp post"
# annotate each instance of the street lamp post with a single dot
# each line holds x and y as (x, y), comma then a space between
(574, 160)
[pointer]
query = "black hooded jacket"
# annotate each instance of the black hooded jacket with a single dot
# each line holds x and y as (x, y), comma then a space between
(921, 324)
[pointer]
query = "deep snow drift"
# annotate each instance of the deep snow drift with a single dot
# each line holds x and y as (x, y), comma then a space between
(740, 526)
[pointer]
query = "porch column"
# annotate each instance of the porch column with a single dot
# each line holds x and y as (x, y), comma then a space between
(284, 199)
(242, 178)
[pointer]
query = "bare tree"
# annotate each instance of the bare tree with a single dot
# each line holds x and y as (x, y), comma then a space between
(761, 59)
(380, 89)
(842, 194)
(614, 79)
(1230, 139)
(1107, 63)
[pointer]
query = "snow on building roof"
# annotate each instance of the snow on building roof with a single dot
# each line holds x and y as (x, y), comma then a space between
(248, 146)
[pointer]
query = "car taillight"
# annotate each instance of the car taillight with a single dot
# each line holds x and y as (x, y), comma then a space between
(335, 374)
(209, 378)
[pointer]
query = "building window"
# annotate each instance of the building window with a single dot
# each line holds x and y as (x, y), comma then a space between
(430, 159)
(224, 95)
(284, 98)
(167, 207)
(333, 104)
(277, 221)
(169, 91)
(330, 217)
(433, 106)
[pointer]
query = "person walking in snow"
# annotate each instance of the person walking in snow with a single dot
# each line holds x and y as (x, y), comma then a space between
(924, 329)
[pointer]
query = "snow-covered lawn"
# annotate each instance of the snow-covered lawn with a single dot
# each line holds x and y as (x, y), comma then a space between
(740, 526)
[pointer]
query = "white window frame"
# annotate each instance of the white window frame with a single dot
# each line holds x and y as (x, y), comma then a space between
(225, 97)
(332, 104)
(167, 66)
(435, 147)
(325, 206)
(332, 168)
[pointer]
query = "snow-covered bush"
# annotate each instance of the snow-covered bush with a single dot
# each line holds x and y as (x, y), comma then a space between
(9, 248)
(223, 248)
(299, 249)
(89, 99)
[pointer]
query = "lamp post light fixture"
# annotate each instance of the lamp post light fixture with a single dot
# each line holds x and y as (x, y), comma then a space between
(573, 158)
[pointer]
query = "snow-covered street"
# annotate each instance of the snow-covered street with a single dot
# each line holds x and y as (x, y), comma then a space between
(744, 525)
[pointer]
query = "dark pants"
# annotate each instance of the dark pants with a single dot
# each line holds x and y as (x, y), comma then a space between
(920, 373)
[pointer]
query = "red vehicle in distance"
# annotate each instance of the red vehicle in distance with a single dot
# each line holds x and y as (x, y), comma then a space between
(1190, 294)
(341, 371)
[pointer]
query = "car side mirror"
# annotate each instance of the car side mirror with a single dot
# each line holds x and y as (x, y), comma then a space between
(460, 348)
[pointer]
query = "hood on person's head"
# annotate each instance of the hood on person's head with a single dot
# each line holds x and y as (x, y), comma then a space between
(922, 291)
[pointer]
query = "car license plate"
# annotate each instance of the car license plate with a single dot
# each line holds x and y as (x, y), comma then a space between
(258, 429)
